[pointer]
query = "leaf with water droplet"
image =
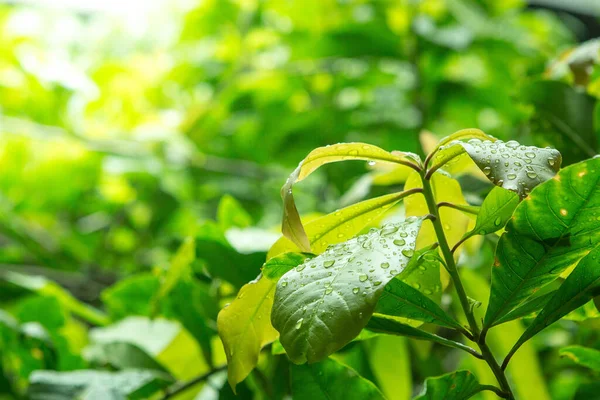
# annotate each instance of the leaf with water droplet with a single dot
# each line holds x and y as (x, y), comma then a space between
(485, 153)
(292, 226)
(496, 210)
(549, 232)
(323, 333)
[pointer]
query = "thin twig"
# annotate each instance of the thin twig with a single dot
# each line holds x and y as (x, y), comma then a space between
(177, 388)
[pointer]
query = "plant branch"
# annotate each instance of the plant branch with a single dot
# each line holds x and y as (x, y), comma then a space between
(460, 290)
(177, 388)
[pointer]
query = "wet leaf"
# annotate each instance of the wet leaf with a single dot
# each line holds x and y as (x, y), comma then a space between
(325, 302)
(496, 210)
(292, 226)
(511, 165)
(549, 232)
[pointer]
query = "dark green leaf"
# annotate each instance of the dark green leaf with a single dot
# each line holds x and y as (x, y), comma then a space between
(584, 356)
(379, 323)
(128, 384)
(330, 380)
(322, 304)
(579, 288)
(528, 308)
(496, 210)
(402, 300)
(459, 385)
(122, 355)
(549, 232)
(564, 117)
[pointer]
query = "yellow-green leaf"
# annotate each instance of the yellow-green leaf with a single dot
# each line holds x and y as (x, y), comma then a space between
(245, 327)
(292, 226)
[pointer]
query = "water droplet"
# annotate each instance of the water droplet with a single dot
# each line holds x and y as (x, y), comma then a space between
(386, 231)
(300, 267)
(428, 291)
(283, 284)
(385, 265)
(563, 212)
(407, 253)
(404, 234)
(299, 323)
(551, 161)
(328, 290)
(329, 263)
(353, 153)
(362, 277)
(511, 176)
(417, 285)
(530, 154)
(377, 283)
(498, 221)
(355, 290)
(531, 175)
(487, 171)
(399, 242)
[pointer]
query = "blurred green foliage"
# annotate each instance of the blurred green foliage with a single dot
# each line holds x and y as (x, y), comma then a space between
(123, 132)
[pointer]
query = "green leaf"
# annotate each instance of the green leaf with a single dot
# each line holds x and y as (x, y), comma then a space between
(130, 296)
(277, 266)
(215, 251)
(292, 226)
(389, 359)
(496, 210)
(402, 300)
(379, 323)
(122, 385)
(550, 231)
(584, 356)
(564, 117)
(122, 355)
(579, 288)
(245, 327)
(325, 302)
(528, 308)
(330, 380)
(45, 287)
(165, 341)
(511, 165)
(178, 267)
(230, 213)
(459, 385)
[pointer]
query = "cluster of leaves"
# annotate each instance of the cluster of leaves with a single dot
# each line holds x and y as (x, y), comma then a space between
(119, 247)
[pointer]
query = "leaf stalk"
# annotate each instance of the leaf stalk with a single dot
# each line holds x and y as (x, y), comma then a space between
(462, 295)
